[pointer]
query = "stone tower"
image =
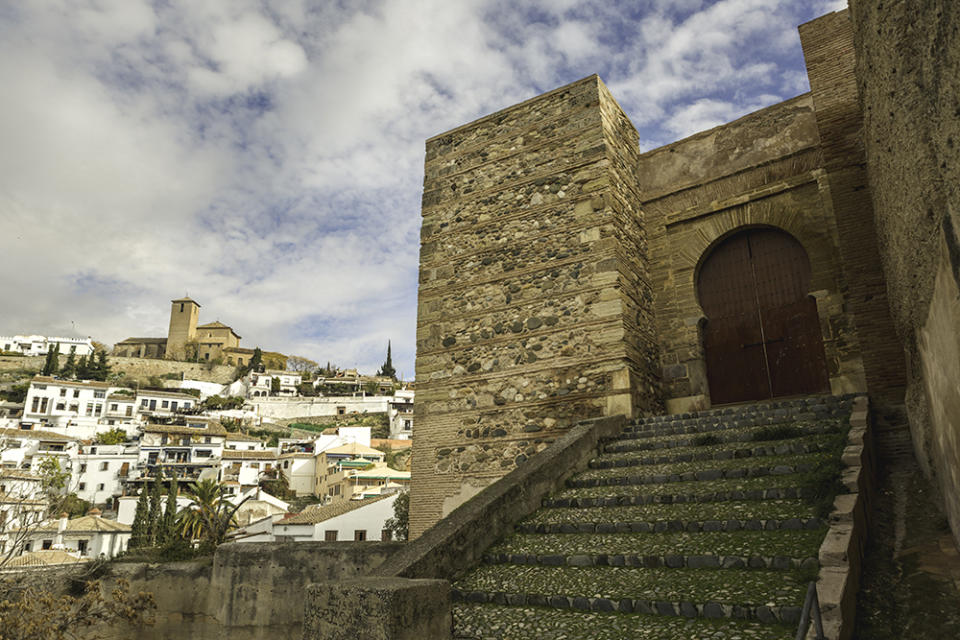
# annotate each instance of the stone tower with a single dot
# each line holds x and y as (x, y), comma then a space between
(184, 314)
(535, 305)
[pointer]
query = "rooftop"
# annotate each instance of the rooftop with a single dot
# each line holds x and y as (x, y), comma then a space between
(233, 454)
(355, 449)
(35, 434)
(86, 384)
(209, 429)
(87, 524)
(316, 515)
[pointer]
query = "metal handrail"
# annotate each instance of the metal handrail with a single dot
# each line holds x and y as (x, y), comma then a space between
(811, 603)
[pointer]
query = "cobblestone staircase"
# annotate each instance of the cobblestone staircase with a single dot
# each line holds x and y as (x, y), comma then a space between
(702, 525)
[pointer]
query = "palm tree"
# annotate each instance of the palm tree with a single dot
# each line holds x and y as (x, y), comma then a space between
(210, 516)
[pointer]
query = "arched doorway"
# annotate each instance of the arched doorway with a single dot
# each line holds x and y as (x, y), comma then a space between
(762, 336)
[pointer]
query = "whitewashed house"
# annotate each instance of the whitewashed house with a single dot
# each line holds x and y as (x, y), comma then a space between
(401, 414)
(88, 536)
(71, 407)
(99, 470)
(189, 449)
(164, 404)
(353, 520)
(39, 345)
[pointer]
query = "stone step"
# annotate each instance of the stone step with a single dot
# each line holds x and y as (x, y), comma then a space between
(709, 424)
(765, 595)
(725, 451)
(730, 515)
(719, 437)
(787, 487)
(776, 408)
(500, 622)
(687, 471)
(763, 549)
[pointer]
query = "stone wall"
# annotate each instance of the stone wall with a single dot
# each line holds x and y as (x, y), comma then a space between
(251, 591)
(136, 368)
(289, 408)
(761, 170)
(908, 74)
(829, 53)
(534, 301)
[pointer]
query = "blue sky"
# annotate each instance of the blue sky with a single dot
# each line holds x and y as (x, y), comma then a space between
(266, 157)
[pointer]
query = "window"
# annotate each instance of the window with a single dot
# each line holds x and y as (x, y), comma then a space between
(207, 439)
(360, 535)
(83, 467)
(82, 486)
(61, 406)
(113, 406)
(181, 307)
(40, 386)
(104, 466)
(186, 405)
(173, 405)
(100, 487)
(164, 405)
(204, 453)
(341, 411)
(63, 393)
(36, 404)
(144, 403)
(82, 546)
(89, 411)
(74, 408)
(330, 536)
(407, 424)
(76, 393)
(99, 394)
(129, 411)
(99, 410)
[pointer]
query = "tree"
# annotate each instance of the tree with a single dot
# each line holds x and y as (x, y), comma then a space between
(168, 526)
(35, 612)
(256, 360)
(27, 498)
(210, 516)
(103, 366)
(17, 393)
(113, 436)
(153, 519)
(387, 370)
(69, 369)
(297, 363)
(52, 364)
(399, 524)
(274, 385)
(83, 368)
(139, 530)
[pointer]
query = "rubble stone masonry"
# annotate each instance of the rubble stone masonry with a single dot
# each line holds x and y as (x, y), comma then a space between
(535, 308)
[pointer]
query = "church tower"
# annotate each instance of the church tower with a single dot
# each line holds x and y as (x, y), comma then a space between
(184, 314)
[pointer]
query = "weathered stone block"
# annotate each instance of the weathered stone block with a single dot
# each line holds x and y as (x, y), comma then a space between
(378, 609)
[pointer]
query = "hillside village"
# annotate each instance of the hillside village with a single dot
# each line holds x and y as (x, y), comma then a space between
(314, 454)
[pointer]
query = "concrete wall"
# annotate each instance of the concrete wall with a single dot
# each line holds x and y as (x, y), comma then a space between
(251, 591)
(908, 74)
(534, 295)
(763, 169)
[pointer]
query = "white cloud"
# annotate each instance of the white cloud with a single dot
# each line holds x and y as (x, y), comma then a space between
(267, 157)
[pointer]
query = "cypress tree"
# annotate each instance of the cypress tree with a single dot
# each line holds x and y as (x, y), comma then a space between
(83, 369)
(69, 369)
(52, 364)
(153, 519)
(101, 369)
(387, 369)
(138, 533)
(168, 528)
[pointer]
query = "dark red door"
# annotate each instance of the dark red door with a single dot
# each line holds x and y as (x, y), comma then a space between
(762, 337)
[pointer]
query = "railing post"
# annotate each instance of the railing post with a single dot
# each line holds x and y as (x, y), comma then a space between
(811, 604)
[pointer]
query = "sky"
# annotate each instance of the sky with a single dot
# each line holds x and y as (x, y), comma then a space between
(266, 157)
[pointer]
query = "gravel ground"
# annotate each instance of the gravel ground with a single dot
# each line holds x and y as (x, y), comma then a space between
(726, 586)
(692, 487)
(490, 621)
(685, 467)
(695, 511)
(791, 544)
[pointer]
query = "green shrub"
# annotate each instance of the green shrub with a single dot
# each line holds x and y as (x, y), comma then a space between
(706, 439)
(777, 432)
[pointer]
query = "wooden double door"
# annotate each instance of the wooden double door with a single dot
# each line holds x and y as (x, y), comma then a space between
(762, 336)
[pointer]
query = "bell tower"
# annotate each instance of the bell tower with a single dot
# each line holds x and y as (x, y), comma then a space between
(184, 313)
